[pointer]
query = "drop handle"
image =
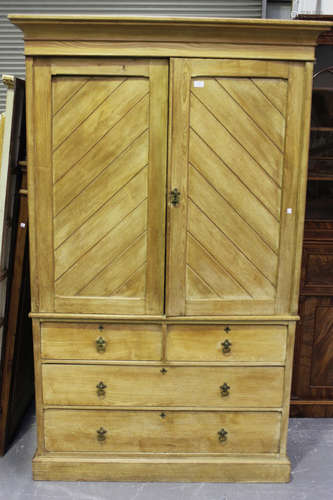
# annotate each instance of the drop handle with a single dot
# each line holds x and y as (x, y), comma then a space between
(225, 388)
(101, 434)
(226, 346)
(222, 433)
(101, 389)
(101, 344)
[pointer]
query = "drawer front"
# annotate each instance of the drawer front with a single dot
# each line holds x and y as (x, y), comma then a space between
(219, 387)
(161, 431)
(227, 343)
(101, 342)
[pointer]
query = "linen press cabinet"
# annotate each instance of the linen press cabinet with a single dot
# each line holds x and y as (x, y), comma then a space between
(166, 195)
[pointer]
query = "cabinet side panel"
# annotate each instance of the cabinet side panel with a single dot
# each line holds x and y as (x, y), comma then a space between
(31, 183)
(294, 185)
(308, 74)
(42, 178)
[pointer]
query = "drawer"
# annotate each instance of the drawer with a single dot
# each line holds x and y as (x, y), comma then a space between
(227, 343)
(101, 342)
(161, 431)
(162, 386)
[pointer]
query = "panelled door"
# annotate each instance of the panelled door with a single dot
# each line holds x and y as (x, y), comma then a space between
(230, 228)
(106, 120)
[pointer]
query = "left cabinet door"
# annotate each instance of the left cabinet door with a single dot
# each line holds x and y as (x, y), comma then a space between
(97, 186)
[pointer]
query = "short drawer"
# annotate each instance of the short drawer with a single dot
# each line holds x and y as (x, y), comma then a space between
(161, 431)
(107, 385)
(101, 341)
(227, 343)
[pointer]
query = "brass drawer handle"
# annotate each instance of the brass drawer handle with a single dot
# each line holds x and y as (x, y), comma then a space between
(101, 389)
(101, 344)
(222, 433)
(101, 434)
(225, 389)
(226, 346)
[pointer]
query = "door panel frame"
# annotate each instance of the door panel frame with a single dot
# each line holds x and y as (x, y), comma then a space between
(294, 173)
(40, 158)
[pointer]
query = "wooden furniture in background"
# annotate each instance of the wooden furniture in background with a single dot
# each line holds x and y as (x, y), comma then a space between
(176, 368)
(312, 388)
(16, 369)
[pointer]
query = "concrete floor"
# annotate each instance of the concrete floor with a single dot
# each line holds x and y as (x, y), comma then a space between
(310, 451)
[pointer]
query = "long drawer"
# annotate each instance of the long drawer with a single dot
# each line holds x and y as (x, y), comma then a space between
(227, 343)
(101, 341)
(107, 385)
(161, 431)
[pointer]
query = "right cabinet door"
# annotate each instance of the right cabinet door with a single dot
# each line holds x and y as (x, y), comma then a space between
(235, 161)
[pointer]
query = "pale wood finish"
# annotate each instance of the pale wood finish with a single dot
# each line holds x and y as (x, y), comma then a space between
(108, 188)
(248, 343)
(295, 173)
(147, 385)
(31, 174)
(167, 49)
(287, 387)
(161, 432)
(230, 258)
(308, 74)
(36, 330)
(282, 319)
(122, 342)
(234, 168)
(194, 469)
(42, 183)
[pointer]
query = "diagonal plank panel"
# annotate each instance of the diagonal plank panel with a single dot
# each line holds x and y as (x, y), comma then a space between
(72, 114)
(238, 123)
(119, 271)
(128, 130)
(259, 108)
(196, 288)
(64, 88)
(235, 156)
(106, 249)
(101, 189)
(135, 286)
(97, 226)
(236, 229)
(97, 124)
(275, 90)
(226, 254)
(212, 274)
(230, 186)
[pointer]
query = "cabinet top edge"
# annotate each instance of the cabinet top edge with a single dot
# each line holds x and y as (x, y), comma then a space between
(85, 27)
(129, 20)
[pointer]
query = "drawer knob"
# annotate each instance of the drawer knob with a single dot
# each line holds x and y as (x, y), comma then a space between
(101, 434)
(101, 344)
(222, 433)
(101, 389)
(226, 346)
(225, 389)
